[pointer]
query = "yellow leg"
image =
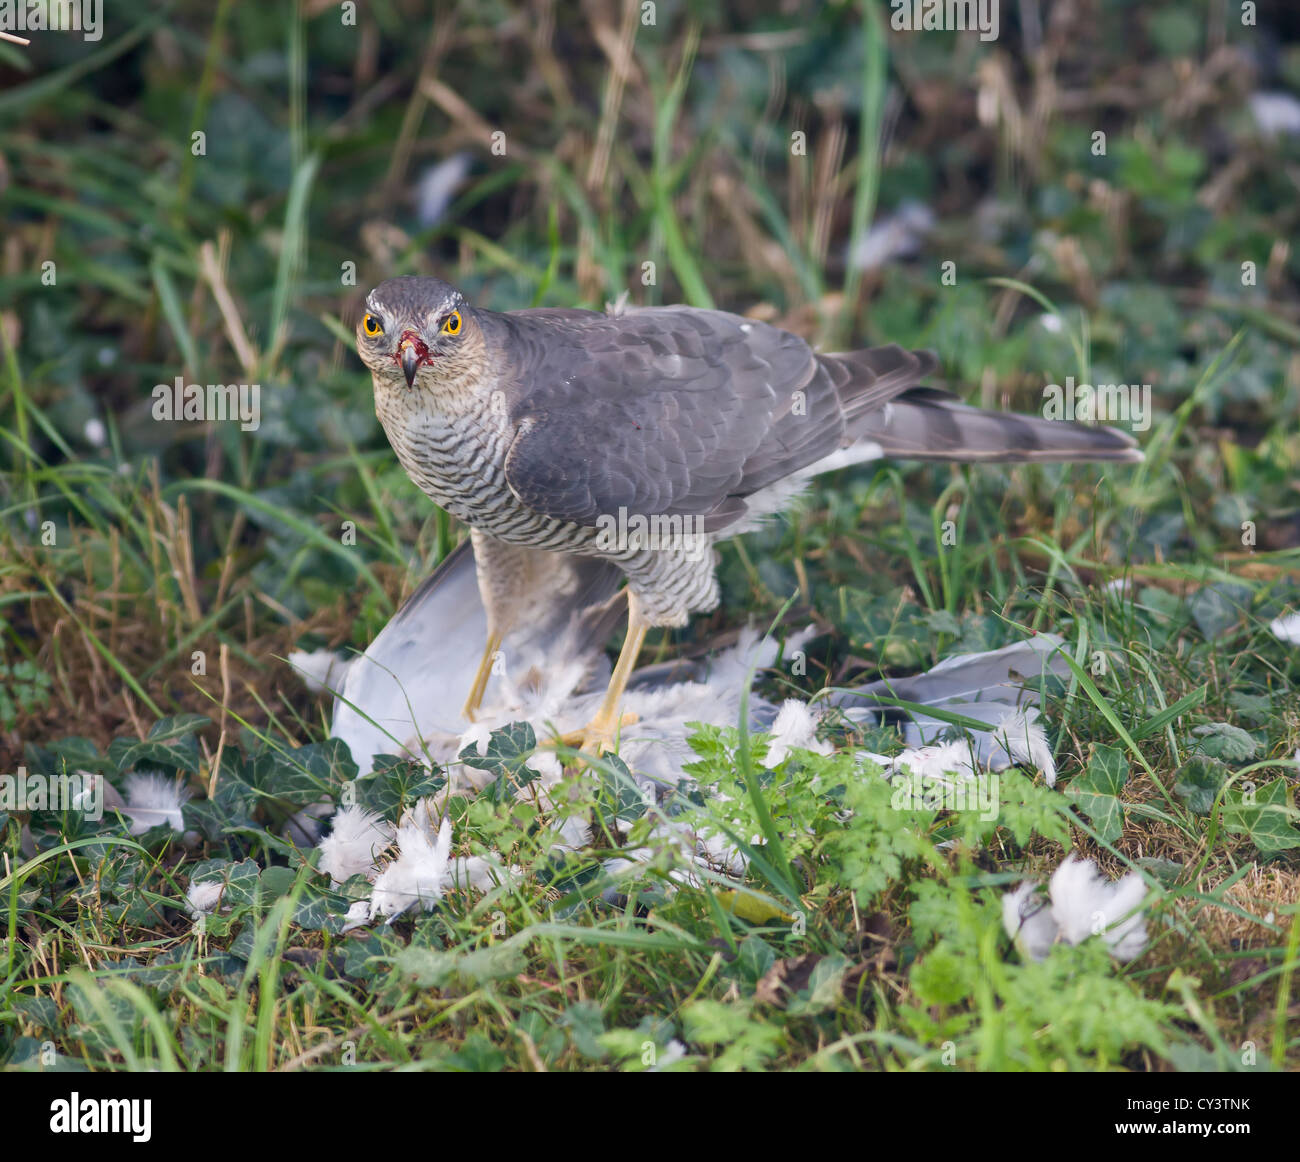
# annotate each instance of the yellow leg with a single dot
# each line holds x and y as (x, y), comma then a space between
(598, 734)
(475, 699)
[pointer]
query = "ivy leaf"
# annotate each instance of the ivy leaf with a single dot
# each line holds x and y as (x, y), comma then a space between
(242, 946)
(1096, 791)
(360, 957)
(242, 880)
(229, 811)
(620, 794)
(1221, 740)
(68, 754)
(508, 749)
(1218, 609)
(396, 784)
(1198, 783)
(302, 775)
(170, 744)
(1255, 707)
(322, 909)
(1266, 815)
(39, 1011)
(277, 881)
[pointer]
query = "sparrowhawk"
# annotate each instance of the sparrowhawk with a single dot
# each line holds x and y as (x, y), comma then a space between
(643, 435)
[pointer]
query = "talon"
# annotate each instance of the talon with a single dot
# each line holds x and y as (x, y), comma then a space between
(595, 738)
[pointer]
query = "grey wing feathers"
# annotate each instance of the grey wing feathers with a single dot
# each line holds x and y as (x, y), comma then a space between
(826, 414)
(668, 411)
(876, 375)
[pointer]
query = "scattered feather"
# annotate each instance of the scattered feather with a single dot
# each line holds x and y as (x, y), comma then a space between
(547, 765)
(476, 736)
(202, 897)
(481, 874)
(419, 875)
(437, 187)
(153, 800)
(359, 837)
(894, 236)
(1287, 629)
(320, 669)
(927, 762)
(673, 1052)
(1025, 741)
(1028, 919)
(1275, 114)
(1083, 903)
(357, 916)
(795, 728)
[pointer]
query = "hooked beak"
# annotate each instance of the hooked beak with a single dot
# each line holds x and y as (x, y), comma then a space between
(410, 353)
(410, 361)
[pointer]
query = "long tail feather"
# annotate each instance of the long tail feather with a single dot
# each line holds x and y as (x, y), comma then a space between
(923, 424)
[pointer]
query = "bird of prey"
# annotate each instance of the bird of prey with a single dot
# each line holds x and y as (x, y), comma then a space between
(642, 436)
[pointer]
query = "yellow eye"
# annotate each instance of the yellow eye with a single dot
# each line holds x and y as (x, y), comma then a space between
(452, 323)
(371, 325)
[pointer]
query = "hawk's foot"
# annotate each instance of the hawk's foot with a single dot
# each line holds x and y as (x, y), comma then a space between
(597, 736)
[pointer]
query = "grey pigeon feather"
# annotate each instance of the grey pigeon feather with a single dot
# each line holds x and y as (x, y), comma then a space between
(990, 675)
(413, 677)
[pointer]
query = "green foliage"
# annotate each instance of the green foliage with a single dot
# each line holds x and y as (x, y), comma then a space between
(730, 1029)
(879, 839)
(1097, 791)
(24, 689)
(1199, 781)
(1267, 815)
(1070, 1011)
(1222, 740)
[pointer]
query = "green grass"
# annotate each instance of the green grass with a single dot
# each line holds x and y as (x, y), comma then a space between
(870, 941)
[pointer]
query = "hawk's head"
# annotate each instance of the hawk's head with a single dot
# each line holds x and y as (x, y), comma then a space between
(414, 323)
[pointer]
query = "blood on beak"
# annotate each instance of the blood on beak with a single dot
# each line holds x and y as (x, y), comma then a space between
(411, 352)
(410, 362)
